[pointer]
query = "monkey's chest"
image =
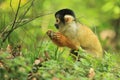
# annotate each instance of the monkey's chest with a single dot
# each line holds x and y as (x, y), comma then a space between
(71, 34)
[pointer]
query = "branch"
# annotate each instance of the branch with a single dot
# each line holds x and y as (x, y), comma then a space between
(13, 24)
(27, 21)
(18, 22)
(11, 6)
(20, 19)
(16, 14)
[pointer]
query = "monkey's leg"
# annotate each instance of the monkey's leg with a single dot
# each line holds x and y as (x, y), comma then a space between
(60, 40)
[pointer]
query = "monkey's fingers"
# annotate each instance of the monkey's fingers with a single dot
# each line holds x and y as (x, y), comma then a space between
(55, 37)
(50, 33)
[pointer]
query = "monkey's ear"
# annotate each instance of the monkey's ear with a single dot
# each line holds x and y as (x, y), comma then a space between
(68, 18)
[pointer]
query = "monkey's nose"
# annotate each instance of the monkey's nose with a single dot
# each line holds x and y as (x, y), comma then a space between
(56, 25)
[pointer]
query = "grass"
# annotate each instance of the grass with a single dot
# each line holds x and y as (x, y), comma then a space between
(57, 65)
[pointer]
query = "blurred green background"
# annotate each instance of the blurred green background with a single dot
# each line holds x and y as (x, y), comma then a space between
(35, 17)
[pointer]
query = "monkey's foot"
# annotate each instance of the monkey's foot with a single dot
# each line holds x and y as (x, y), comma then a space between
(75, 55)
(74, 52)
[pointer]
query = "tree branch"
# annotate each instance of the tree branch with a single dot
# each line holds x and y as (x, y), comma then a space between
(17, 22)
(13, 24)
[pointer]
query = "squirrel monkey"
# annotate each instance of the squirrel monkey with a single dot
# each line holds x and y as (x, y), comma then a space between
(72, 34)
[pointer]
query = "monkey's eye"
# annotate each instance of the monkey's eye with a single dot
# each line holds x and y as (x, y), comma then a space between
(57, 20)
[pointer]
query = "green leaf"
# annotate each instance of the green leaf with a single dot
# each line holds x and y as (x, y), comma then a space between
(108, 6)
(116, 10)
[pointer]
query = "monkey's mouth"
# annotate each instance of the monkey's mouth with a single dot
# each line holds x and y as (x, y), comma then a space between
(56, 25)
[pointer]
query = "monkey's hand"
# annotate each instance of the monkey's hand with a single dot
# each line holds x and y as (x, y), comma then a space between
(60, 40)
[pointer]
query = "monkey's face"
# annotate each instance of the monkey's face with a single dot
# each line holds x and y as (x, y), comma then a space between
(67, 19)
(64, 17)
(58, 23)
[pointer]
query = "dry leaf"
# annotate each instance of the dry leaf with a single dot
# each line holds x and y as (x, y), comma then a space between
(37, 62)
(91, 74)
(9, 48)
(54, 78)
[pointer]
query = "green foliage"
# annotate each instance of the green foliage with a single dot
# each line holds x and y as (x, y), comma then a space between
(112, 7)
(16, 68)
(68, 69)
(60, 67)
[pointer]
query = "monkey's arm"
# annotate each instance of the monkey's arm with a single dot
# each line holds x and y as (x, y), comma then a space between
(60, 40)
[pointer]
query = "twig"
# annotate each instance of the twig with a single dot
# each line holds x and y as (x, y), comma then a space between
(27, 21)
(16, 14)
(25, 4)
(10, 31)
(23, 22)
(5, 30)
(11, 6)
(56, 51)
(18, 22)
(26, 11)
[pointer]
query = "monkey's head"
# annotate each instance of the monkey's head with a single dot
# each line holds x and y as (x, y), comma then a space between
(63, 17)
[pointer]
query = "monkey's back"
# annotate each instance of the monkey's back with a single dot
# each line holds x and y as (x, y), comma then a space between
(89, 41)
